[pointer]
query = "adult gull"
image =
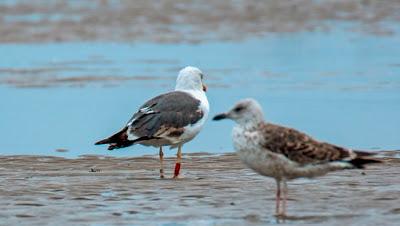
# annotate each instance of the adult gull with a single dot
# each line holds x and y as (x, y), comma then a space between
(171, 119)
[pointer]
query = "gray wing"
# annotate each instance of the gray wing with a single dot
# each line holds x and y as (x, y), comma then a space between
(300, 147)
(165, 114)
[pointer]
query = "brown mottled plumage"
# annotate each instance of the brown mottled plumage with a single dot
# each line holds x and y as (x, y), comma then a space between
(298, 146)
(284, 153)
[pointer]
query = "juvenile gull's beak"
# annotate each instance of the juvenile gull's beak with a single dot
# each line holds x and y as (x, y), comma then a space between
(204, 88)
(220, 116)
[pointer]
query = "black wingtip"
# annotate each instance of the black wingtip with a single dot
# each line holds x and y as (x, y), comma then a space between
(364, 153)
(104, 141)
(361, 162)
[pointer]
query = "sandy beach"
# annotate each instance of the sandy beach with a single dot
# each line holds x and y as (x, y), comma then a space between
(215, 190)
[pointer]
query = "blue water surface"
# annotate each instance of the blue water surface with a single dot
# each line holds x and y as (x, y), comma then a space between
(340, 87)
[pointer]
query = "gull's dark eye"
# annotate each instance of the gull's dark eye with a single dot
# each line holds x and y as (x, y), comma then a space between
(201, 75)
(238, 109)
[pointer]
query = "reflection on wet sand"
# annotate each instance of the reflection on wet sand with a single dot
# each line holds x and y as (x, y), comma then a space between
(216, 189)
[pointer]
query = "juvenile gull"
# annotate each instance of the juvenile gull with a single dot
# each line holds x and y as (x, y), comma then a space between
(170, 119)
(284, 153)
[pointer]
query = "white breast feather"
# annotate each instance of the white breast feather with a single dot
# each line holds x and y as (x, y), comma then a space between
(192, 130)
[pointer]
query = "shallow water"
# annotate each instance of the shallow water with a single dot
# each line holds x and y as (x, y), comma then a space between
(340, 87)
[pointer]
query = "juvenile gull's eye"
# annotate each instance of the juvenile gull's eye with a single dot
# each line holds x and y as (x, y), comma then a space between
(238, 109)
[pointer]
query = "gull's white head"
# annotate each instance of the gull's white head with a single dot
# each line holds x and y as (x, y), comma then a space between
(190, 78)
(246, 112)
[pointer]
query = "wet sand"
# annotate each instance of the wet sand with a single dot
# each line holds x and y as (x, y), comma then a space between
(186, 21)
(215, 190)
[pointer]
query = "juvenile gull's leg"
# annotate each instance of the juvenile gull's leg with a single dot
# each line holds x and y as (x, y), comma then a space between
(285, 194)
(178, 161)
(278, 197)
(161, 163)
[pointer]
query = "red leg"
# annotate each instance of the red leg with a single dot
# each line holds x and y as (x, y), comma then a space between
(177, 169)
(178, 162)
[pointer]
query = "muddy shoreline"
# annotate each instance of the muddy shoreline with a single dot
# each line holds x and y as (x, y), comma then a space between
(171, 21)
(216, 189)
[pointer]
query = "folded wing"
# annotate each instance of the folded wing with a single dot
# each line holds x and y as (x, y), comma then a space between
(303, 149)
(165, 115)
